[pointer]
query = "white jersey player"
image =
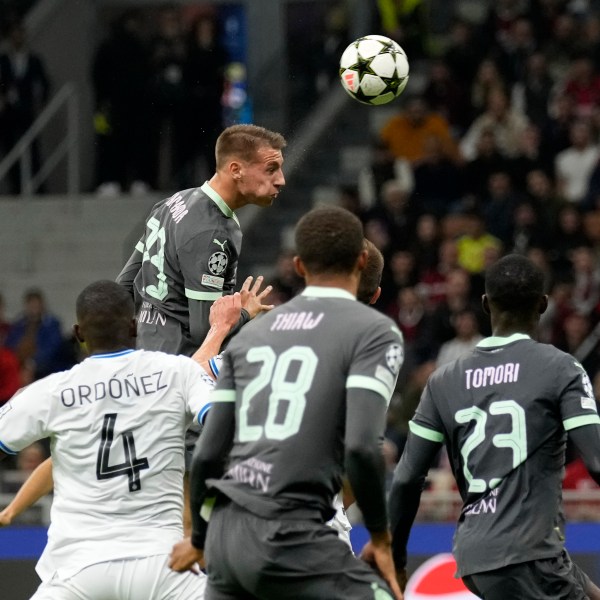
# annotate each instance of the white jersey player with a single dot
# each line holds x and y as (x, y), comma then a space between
(116, 423)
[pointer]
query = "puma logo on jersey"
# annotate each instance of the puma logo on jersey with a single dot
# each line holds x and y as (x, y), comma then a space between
(221, 244)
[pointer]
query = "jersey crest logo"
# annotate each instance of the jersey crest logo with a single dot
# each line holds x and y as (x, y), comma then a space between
(221, 244)
(217, 263)
(394, 357)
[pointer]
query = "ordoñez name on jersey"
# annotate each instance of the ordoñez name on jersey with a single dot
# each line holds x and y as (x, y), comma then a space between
(132, 385)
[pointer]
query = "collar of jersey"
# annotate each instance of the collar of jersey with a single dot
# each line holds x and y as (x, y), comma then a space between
(113, 354)
(495, 340)
(318, 291)
(205, 187)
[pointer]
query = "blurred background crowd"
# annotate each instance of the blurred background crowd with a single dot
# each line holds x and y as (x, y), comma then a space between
(493, 148)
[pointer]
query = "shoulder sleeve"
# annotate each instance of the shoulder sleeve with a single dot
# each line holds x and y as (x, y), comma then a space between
(577, 403)
(377, 359)
(225, 389)
(427, 422)
(25, 418)
(208, 263)
(198, 389)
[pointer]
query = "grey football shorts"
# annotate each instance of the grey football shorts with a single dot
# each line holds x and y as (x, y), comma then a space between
(557, 578)
(251, 557)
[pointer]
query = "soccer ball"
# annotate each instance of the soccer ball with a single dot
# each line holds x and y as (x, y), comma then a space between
(374, 69)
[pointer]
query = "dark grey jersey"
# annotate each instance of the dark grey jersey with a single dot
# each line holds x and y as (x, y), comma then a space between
(503, 412)
(288, 373)
(189, 249)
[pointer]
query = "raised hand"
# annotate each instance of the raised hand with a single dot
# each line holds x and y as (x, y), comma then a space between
(252, 297)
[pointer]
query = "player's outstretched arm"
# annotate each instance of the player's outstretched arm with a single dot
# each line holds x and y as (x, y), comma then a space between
(38, 484)
(224, 315)
(405, 494)
(365, 469)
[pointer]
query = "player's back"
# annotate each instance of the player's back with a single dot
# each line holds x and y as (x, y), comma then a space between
(503, 411)
(116, 424)
(290, 370)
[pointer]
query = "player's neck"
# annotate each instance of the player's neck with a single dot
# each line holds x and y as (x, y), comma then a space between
(344, 282)
(112, 349)
(505, 326)
(226, 190)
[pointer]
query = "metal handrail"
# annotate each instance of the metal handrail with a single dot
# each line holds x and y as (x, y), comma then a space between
(69, 146)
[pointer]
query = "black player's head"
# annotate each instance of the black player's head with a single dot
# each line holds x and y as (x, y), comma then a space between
(515, 285)
(370, 277)
(329, 241)
(105, 316)
(242, 142)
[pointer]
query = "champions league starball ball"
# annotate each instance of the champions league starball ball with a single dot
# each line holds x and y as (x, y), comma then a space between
(374, 69)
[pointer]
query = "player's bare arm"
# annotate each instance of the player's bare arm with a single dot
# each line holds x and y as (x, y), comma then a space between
(38, 484)
(208, 462)
(224, 314)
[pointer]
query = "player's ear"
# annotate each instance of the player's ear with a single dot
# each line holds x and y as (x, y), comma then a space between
(543, 304)
(485, 304)
(375, 296)
(299, 266)
(235, 169)
(77, 333)
(361, 261)
(133, 328)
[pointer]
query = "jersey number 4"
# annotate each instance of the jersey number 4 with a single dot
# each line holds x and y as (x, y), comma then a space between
(131, 466)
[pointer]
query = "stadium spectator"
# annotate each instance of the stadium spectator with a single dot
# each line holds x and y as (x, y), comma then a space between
(124, 128)
(467, 337)
(527, 230)
(502, 119)
(473, 243)
(530, 157)
(405, 134)
(169, 96)
(382, 167)
(203, 75)
(487, 79)
(487, 159)
(517, 45)
(462, 53)
(36, 338)
(24, 89)
(399, 273)
(446, 96)
(498, 206)
(559, 47)
(586, 275)
(540, 190)
(438, 180)
(583, 86)
(426, 242)
(531, 95)
(574, 165)
(431, 285)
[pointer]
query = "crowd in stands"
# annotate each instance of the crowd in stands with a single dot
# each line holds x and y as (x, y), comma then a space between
(498, 151)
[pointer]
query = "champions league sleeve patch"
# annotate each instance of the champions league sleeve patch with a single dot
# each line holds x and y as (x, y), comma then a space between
(394, 357)
(217, 263)
(212, 281)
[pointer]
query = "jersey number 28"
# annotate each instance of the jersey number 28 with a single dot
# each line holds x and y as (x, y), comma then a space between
(274, 371)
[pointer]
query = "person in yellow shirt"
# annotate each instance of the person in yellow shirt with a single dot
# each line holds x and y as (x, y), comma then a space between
(475, 245)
